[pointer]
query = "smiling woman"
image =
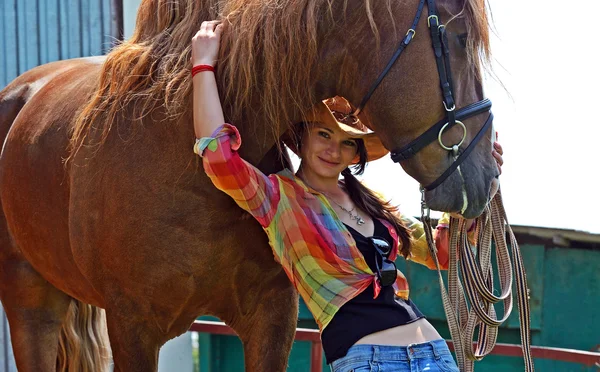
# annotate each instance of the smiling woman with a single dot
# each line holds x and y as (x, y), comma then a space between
(336, 240)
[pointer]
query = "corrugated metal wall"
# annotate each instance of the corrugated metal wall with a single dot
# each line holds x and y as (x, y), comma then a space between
(34, 32)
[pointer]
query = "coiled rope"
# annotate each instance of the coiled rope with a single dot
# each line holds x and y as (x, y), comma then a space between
(470, 276)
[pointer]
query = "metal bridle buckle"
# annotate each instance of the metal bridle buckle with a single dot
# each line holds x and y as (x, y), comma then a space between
(449, 109)
(425, 211)
(437, 20)
(410, 34)
(454, 148)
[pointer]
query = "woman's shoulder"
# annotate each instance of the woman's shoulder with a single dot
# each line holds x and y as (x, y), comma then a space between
(292, 185)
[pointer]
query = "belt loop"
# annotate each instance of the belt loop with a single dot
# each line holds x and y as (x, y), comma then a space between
(435, 350)
(410, 352)
(375, 355)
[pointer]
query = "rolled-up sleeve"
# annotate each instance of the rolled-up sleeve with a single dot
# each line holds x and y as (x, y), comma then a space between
(420, 249)
(252, 190)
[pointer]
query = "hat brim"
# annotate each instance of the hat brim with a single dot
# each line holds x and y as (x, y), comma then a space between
(322, 114)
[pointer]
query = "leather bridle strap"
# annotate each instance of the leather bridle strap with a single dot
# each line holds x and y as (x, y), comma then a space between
(442, 59)
(410, 34)
(431, 134)
(458, 161)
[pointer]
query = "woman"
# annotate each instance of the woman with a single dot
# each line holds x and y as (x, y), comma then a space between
(336, 240)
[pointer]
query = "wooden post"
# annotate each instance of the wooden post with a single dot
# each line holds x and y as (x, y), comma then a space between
(316, 357)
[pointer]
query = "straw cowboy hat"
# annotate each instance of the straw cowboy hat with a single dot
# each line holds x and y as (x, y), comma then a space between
(336, 110)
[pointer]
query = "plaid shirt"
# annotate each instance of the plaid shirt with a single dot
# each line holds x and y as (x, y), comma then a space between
(312, 244)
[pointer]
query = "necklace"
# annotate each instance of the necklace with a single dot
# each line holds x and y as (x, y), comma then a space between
(354, 217)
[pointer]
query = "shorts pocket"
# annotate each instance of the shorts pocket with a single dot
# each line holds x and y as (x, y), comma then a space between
(352, 365)
(446, 363)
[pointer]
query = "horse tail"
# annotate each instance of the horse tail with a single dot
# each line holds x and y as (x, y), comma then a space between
(83, 344)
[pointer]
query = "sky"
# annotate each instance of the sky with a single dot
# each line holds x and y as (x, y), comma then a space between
(546, 118)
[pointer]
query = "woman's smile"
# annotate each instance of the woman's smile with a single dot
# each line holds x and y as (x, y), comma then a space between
(329, 163)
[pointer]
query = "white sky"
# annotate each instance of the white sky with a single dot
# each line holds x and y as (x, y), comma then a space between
(547, 57)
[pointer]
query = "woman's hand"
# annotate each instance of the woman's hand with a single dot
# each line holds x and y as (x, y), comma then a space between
(497, 152)
(205, 44)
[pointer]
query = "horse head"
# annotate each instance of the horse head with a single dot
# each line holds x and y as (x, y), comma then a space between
(400, 89)
(278, 60)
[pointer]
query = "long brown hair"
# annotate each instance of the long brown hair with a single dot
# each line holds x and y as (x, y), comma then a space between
(365, 199)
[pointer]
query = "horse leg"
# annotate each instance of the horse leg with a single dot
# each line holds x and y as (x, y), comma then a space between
(268, 326)
(134, 346)
(35, 311)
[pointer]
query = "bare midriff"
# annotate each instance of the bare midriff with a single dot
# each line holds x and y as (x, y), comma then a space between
(416, 332)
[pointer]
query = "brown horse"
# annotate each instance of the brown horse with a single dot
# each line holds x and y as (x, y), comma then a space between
(131, 224)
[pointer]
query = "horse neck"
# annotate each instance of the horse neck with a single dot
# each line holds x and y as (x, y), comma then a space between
(355, 57)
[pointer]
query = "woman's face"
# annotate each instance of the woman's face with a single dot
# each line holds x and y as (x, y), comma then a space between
(327, 150)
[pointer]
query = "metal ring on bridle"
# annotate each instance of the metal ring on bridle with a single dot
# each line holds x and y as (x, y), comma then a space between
(458, 144)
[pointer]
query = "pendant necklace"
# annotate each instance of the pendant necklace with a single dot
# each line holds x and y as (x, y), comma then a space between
(354, 217)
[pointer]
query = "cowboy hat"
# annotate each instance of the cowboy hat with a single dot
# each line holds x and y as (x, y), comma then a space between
(335, 110)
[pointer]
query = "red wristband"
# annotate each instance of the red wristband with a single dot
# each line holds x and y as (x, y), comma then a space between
(201, 68)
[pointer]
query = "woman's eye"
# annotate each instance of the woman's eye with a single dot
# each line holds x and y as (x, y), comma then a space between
(350, 143)
(323, 134)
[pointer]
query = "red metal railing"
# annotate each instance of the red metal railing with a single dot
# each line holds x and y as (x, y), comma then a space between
(587, 358)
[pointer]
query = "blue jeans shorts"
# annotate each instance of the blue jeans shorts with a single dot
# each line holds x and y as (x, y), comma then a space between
(432, 356)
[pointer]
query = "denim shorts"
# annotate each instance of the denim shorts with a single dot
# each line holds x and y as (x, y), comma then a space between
(432, 356)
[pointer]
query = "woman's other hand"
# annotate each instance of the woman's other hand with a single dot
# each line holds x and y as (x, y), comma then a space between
(205, 44)
(497, 152)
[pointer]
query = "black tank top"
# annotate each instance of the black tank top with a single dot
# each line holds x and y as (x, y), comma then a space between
(364, 315)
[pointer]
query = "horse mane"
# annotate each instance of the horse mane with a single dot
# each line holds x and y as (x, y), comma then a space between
(475, 14)
(266, 44)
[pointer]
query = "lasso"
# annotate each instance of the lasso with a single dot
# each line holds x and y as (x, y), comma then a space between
(475, 282)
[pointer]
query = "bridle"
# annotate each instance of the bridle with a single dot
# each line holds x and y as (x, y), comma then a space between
(452, 117)
(476, 271)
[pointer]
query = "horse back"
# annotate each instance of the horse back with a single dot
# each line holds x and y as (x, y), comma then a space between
(37, 110)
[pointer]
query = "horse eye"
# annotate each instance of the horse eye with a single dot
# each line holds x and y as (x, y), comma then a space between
(462, 39)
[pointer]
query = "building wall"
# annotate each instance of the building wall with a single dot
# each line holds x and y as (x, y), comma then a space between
(7, 362)
(34, 32)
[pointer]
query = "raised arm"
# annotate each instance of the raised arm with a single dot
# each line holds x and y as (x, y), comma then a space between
(218, 142)
(208, 113)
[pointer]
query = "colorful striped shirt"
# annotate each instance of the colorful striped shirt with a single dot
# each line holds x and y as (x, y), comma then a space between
(308, 239)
